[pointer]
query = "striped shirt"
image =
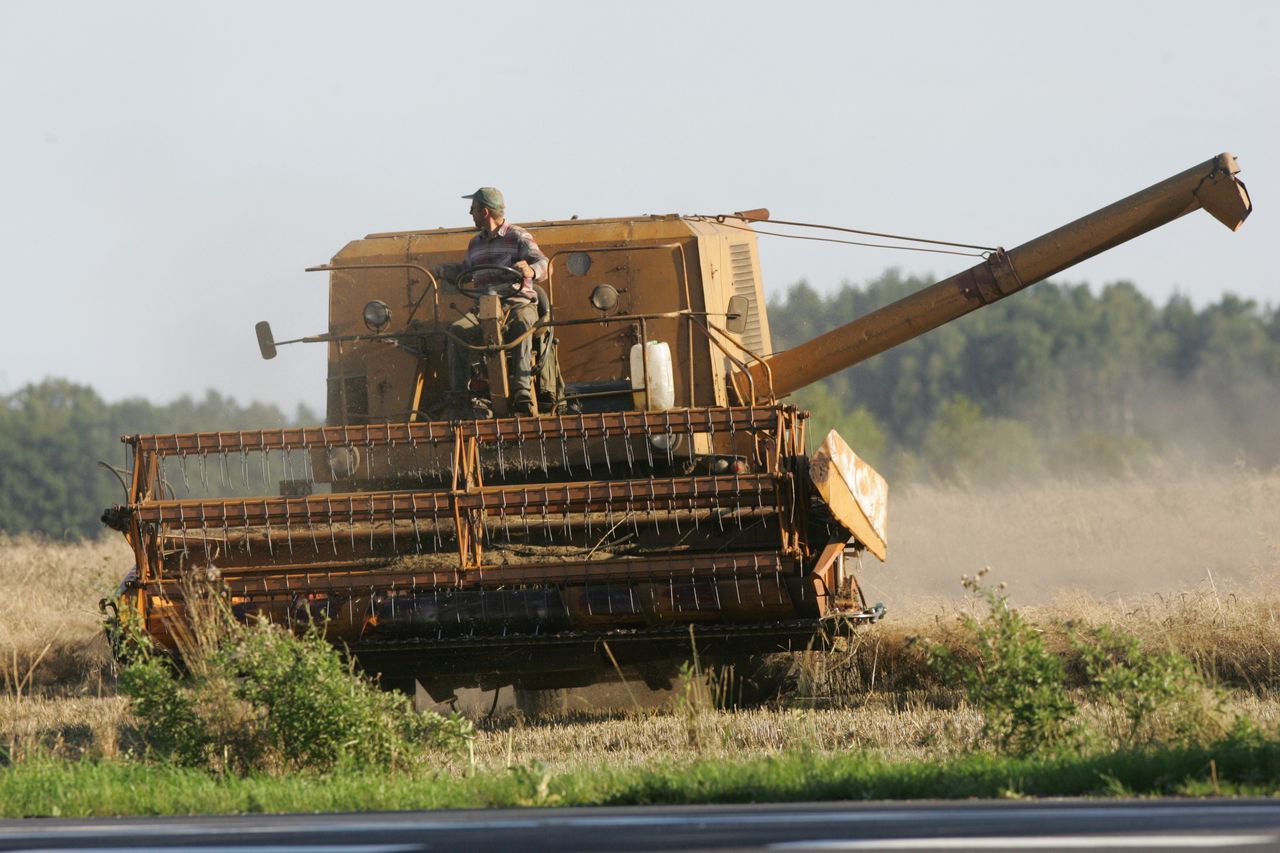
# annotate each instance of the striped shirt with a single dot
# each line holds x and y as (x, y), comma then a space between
(506, 245)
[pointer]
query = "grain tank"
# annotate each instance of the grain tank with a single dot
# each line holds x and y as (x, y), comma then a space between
(664, 497)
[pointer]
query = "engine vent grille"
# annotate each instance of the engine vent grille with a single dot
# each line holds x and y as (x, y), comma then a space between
(744, 284)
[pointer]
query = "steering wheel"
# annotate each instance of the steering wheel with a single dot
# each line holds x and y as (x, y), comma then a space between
(467, 285)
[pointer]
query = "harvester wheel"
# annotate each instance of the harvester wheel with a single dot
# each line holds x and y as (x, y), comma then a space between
(542, 702)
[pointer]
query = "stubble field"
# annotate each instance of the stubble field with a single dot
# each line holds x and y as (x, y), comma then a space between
(1190, 563)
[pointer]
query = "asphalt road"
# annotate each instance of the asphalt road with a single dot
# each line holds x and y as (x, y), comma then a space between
(1237, 825)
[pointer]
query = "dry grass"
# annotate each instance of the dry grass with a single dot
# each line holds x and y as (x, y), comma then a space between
(1230, 631)
(50, 630)
(1110, 540)
(1190, 563)
(70, 727)
(897, 727)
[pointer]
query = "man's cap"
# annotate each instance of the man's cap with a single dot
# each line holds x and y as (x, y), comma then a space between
(490, 197)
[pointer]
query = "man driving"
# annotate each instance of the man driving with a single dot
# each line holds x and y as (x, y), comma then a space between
(499, 243)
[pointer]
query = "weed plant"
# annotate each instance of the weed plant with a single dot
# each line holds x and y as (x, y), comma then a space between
(1161, 695)
(1019, 685)
(260, 699)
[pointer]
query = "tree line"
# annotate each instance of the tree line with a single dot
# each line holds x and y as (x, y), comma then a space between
(54, 433)
(1054, 381)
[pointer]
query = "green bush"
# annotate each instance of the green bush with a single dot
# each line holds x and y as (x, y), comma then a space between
(1017, 684)
(262, 699)
(1161, 695)
(168, 721)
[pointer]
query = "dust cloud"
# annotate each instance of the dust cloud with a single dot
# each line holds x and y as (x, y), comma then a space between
(1112, 540)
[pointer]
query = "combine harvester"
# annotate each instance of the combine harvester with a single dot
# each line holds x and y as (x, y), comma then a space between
(663, 497)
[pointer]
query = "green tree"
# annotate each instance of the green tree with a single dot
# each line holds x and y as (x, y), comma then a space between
(52, 435)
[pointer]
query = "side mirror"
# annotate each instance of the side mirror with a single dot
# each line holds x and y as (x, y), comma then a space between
(735, 320)
(267, 343)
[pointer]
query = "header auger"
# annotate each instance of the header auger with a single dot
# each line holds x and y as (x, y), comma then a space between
(663, 494)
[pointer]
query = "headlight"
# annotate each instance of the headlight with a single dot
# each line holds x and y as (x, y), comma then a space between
(377, 315)
(604, 297)
(667, 442)
(343, 462)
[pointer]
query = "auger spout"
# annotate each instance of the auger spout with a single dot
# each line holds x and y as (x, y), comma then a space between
(1210, 185)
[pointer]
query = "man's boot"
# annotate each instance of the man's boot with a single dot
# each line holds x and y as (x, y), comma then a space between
(522, 404)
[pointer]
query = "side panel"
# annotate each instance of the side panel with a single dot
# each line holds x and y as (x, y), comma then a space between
(658, 264)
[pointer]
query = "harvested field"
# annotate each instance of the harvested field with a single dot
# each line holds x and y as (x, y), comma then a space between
(50, 629)
(1201, 534)
(901, 726)
(1191, 564)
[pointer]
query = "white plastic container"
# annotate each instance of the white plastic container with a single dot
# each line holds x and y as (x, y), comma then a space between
(662, 384)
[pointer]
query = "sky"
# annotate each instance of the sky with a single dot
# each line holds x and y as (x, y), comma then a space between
(167, 170)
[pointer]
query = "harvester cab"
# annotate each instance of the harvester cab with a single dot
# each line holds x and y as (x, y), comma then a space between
(662, 503)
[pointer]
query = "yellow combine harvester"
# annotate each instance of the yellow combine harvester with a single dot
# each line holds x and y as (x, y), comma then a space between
(662, 498)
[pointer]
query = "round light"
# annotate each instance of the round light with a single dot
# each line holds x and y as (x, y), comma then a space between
(604, 297)
(579, 263)
(343, 462)
(377, 315)
(667, 442)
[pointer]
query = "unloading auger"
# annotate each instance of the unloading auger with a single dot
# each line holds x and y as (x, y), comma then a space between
(664, 497)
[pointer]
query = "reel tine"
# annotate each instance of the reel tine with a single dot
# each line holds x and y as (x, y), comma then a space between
(631, 508)
(393, 522)
(520, 444)
(266, 521)
(333, 533)
(417, 463)
(315, 544)
(666, 422)
(694, 503)
(266, 457)
(417, 534)
(567, 531)
(524, 514)
(626, 444)
(586, 456)
(204, 534)
(351, 524)
(542, 449)
(546, 518)
(608, 506)
(161, 480)
(604, 439)
(222, 462)
(288, 527)
(248, 545)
